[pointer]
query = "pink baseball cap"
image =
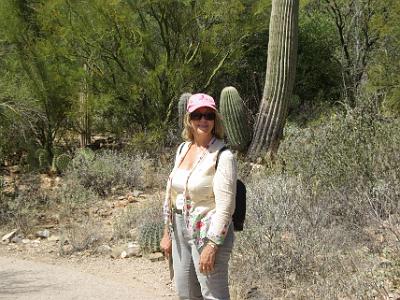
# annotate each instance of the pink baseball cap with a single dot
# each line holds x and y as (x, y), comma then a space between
(200, 100)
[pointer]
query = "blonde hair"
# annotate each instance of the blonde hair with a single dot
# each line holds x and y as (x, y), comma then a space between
(218, 130)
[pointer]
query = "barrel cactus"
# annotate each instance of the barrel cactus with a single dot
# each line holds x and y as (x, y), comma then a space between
(182, 107)
(149, 236)
(235, 119)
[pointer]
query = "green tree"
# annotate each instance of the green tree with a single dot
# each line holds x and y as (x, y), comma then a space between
(39, 63)
(357, 39)
(384, 68)
(318, 74)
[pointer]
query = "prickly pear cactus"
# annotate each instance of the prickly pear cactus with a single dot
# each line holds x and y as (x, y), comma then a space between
(62, 162)
(149, 236)
(182, 107)
(83, 156)
(234, 113)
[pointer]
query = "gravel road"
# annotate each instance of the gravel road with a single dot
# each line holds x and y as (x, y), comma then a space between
(25, 279)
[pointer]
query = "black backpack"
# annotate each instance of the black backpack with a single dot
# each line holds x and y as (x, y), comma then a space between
(240, 209)
(239, 214)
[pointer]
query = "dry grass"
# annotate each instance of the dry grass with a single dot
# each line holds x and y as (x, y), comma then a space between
(323, 222)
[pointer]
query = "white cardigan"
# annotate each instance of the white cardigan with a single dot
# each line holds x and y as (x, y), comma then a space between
(211, 192)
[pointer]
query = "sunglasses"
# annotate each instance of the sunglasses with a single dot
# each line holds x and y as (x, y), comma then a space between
(196, 116)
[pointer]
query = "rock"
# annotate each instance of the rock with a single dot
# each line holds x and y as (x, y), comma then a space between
(48, 226)
(105, 213)
(57, 180)
(121, 203)
(17, 239)
(133, 250)
(54, 238)
(31, 236)
(158, 256)
(124, 254)
(394, 296)
(15, 169)
(137, 193)
(44, 234)
(104, 250)
(385, 263)
(7, 237)
(26, 241)
(131, 199)
(116, 252)
(67, 249)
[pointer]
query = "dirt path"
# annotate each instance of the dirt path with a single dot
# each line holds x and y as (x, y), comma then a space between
(81, 278)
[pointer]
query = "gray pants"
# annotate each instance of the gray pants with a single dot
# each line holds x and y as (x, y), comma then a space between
(190, 283)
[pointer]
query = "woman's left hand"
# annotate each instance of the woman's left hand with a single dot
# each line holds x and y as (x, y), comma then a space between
(207, 259)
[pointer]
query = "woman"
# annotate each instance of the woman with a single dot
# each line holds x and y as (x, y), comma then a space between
(199, 204)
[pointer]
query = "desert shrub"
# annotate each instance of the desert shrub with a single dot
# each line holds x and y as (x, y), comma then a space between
(5, 198)
(105, 170)
(153, 141)
(147, 219)
(147, 142)
(309, 231)
(290, 243)
(23, 207)
(74, 199)
(83, 235)
(353, 158)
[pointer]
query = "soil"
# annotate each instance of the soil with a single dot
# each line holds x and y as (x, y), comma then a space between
(36, 271)
(80, 276)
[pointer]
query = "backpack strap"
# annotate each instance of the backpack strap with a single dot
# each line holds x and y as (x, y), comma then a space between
(219, 154)
(181, 147)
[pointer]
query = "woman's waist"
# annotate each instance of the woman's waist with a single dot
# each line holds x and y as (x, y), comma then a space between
(195, 211)
(206, 201)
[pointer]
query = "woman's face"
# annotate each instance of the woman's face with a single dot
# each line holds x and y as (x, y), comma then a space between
(202, 121)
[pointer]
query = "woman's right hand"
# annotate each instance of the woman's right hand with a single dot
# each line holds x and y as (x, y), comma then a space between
(166, 244)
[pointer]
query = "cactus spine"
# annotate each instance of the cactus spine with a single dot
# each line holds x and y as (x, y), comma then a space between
(182, 104)
(150, 235)
(235, 119)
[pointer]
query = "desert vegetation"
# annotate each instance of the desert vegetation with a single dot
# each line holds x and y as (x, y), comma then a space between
(91, 104)
(323, 222)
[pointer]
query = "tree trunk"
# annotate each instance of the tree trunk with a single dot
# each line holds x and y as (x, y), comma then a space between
(279, 81)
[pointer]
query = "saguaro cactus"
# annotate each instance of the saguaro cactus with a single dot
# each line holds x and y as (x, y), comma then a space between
(84, 114)
(235, 119)
(279, 81)
(182, 107)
